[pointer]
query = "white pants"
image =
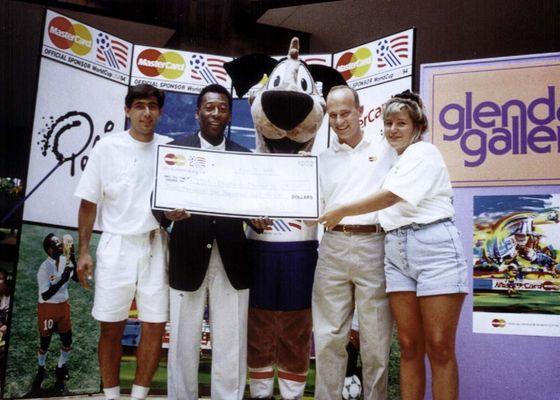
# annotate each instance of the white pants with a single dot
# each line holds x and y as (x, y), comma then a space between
(350, 272)
(228, 327)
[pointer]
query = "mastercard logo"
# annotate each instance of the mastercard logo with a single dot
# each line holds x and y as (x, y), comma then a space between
(173, 159)
(355, 65)
(499, 323)
(66, 35)
(152, 62)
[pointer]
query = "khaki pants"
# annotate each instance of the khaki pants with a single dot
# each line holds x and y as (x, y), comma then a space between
(350, 273)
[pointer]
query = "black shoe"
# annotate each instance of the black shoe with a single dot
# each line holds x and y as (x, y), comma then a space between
(39, 378)
(62, 373)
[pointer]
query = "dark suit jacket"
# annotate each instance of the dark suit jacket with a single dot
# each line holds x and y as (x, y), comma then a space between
(192, 239)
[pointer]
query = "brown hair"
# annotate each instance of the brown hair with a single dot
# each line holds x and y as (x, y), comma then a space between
(413, 105)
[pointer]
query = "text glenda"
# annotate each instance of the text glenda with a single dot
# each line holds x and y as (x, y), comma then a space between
(486, 126)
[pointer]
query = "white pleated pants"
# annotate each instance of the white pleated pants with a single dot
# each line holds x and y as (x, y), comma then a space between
(228, 326)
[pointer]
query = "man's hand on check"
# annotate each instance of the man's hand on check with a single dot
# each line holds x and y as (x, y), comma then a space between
(261, 223)
(177, 214)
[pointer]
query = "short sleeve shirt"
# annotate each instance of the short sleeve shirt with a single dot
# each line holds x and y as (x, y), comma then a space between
(421, 179)
(347, 174)
(119, 178)
(49, 274)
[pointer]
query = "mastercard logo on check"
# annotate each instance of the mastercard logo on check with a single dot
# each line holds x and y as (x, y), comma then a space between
(173, 159)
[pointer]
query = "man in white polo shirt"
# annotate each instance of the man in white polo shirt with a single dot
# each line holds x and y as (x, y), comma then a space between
(116, 186)
(350, 265)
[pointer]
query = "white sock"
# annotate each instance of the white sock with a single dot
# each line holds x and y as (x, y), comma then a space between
(42, 358)
(64, 355)
(139, 392)
(112, 393)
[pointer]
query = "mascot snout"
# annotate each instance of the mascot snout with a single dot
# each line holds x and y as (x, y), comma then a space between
(286, 109)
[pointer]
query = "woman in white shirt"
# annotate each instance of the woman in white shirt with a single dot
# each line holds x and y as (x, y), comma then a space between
(425, 268)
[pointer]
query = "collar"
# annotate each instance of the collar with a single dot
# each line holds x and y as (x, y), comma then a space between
(204, 144)
(337, 146)
(137, 142)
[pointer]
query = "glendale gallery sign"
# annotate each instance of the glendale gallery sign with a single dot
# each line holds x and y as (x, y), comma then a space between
(497, 122)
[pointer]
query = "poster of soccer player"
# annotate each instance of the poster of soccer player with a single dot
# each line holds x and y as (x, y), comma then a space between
(516, 271)
(53, 338)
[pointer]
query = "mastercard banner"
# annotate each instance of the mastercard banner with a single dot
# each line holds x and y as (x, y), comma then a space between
(490, 137)
(179, 71)
(70, 42)
(377, 62)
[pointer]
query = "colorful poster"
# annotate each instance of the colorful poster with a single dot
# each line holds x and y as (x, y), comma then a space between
(491, 137)
(63, 315)
(516, 265)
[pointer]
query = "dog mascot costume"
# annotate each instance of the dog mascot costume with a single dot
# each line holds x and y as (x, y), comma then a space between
(287, 112)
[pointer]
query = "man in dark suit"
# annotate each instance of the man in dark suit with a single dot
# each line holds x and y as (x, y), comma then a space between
(207, 258)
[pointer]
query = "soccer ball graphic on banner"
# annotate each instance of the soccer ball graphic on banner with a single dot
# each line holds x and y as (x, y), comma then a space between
(197, 62)
(352, 388)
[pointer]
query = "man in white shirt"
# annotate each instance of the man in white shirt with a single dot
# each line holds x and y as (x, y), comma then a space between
(116, 187)
(350, 265)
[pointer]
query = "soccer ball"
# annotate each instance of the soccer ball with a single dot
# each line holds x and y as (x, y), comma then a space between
(197, 61)
(352, 388)
(103, 41)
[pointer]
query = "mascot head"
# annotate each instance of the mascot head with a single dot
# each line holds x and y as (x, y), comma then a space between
(288, 109)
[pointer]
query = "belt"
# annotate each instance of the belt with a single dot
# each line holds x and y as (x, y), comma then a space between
(358, 228)
(416, 226)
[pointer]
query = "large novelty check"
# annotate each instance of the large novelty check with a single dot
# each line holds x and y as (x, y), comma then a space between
(236, 184)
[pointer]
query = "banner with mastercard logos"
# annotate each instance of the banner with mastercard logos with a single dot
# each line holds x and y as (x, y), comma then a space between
(70, 42)
(492, 137)
(377, 62)
(179, 71)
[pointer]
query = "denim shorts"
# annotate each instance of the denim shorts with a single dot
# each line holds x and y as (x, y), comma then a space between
(426, 259)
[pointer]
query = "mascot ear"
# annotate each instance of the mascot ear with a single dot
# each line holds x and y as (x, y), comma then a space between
(329, 76)
(246, 71)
